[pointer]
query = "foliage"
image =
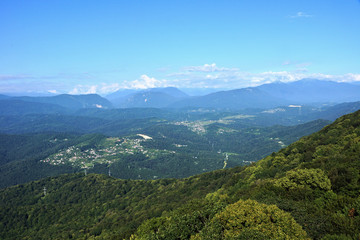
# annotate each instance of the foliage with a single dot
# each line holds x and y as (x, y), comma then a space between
(20, 155)
(95, 205)
(304, 178)
(252, 220)
(314, 183)
(184, 221)
(175, 150)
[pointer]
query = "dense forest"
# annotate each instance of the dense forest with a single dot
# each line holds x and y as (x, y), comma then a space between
(180, 120)
(308, 190)
(176, 150)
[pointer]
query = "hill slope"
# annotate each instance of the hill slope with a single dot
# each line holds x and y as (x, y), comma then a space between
(72, 102)
(316, 180)
(313, 91)
(14, 107)
(233, 99)
(170, 150)
(306, 91)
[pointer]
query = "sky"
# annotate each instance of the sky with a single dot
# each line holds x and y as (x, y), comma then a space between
(81, 47)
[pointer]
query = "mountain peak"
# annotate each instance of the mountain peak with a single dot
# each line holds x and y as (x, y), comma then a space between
(151, 97)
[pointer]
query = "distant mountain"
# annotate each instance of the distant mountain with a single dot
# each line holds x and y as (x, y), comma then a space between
(147, 99)
(234, 99)
(306, 91)
(10, 106)
(313, 91)
(130, 113)
(295, 114)
(39, 123)
(336, 111)
(120, 94)
(154, 97)
(72, 102)
(201, 91)
(172, 91)
(3, 97)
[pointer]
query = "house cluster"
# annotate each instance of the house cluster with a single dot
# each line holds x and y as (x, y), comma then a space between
(196, 126)
(106, 153)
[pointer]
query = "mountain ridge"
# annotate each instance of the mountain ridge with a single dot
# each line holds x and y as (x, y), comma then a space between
(72, 102)
(305, 91)
(152, 97)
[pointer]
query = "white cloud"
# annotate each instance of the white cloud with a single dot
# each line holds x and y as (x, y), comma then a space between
(238, 79)
(208, 68)
(353, 77)
(285, 76)
(301, 15)
(223, 80)
(209, 76)
(350, 77)
(103, 88)
(145, 82)
(205, 76)
(108, 88)
(282, 76)
(84, 89)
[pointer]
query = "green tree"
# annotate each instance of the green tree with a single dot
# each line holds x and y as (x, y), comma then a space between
(183, 222)
(304, 178)
(251, 220)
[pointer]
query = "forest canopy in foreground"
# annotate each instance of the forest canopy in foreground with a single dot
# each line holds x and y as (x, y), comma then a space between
(312, 184)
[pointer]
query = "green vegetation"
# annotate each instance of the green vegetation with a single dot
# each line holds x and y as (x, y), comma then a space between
(309, 189)
(212, 219)
(84, 207)
(106, 151)
(173, 149)
(252, 220)
(20, 155)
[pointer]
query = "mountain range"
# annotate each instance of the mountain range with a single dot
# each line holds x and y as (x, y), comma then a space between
(309, 91)
(154, 97)
(52, 104)
(306, 91)
(258, 177)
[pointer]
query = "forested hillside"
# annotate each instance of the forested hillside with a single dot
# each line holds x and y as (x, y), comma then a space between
(168, 150)
(309, 189)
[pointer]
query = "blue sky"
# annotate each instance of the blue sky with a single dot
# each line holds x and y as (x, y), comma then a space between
(101, 46)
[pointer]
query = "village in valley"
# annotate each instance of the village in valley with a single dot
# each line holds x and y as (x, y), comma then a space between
(113, 149)
(107, 151)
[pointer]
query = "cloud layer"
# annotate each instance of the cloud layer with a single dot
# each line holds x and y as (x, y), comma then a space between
(203, 76)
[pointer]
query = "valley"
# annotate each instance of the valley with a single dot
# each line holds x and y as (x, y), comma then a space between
(180, 120)
(167, 161)
(149, 148)
(106, 152)
(312, 185)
